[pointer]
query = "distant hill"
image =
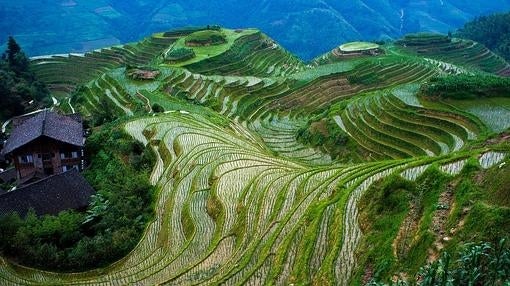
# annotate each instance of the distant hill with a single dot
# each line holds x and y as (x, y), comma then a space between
(307, 28)
(493, 31)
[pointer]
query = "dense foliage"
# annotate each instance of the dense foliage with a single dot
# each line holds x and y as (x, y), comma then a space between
(324, 133)
(477, 264)
(467, 86)
(19, 89)
(493, 31)
(206, 38)
(109, 229)
(180, 54)
(157, 108)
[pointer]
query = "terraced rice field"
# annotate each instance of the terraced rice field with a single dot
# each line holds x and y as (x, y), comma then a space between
(240, 200)
(459, 52)
(494, 112)
(246, 212)
(65, 72)
(358, 46)
(253, 54)
(366, 76)
(389, 127)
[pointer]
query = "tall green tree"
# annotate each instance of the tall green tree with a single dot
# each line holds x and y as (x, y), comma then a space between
(12, 50)
(18, 84)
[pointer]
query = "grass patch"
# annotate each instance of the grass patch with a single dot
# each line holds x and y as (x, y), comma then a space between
(205, 52)
(179, 55)
(383, 209)
(205, 38)
(214, 207)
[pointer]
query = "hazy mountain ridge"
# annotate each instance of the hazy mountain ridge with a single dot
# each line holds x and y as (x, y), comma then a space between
(307, 28)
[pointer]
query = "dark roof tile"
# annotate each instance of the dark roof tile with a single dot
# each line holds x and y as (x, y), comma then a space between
(51, 195)
(67, 129)
(8, 175)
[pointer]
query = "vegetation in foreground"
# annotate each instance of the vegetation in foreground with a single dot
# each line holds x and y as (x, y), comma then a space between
(476, 264)
(435, 220)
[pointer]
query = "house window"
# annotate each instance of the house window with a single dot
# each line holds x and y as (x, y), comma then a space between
(46, 157)
(69, 155)
(69, 167)
(26, 159)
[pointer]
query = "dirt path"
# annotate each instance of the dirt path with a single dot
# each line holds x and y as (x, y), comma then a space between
(404, 239)
(439, 220)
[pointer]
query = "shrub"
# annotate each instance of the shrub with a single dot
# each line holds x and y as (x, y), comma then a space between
(156, 108)
(180, 55)
(478, 264)
(206, 38)
(324, 133)
(466, 86)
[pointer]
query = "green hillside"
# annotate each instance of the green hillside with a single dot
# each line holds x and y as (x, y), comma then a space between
(272, 171)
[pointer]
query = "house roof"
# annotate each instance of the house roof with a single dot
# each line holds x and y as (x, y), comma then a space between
(67, 129)
(8, 175)
(51, 195)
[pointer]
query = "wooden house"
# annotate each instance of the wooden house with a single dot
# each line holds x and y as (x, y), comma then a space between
(45, 144)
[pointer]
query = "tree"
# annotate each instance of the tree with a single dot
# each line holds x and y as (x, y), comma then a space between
(12, 49)
(18, 84)
(17, 60)
(156, 108)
